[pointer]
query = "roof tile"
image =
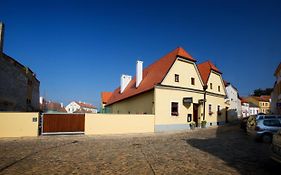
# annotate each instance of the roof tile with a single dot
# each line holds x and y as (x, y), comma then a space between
(152, 75)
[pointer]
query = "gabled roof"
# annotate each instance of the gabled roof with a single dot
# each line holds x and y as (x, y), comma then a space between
(85, 105)
(226, 83)
(105, 96)
(205, 69)
(152, 75)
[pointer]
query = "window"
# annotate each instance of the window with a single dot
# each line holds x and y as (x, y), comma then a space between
(177, 78)
(175, 109)
(272, 123)
(28, 101)
(219, 110)
(192, 81)
(210, 109)
(219, 88)
(211, 85)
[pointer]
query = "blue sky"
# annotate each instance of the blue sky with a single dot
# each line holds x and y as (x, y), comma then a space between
(80, 48)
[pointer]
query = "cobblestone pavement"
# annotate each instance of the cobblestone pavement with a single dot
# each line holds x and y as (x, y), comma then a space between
(218, 150)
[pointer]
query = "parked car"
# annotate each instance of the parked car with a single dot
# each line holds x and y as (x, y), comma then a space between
(276, 147)
(262, 127)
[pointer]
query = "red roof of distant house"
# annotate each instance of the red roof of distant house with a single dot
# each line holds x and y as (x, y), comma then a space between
(243, 100)
(85, 105)
(264, 98)
(53, 106)
(152, 75)
(205, 70)
(105, 96)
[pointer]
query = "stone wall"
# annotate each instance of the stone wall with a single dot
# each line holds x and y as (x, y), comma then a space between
(14, 87)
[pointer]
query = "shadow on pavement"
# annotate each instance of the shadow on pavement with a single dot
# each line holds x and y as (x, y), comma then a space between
(238, 151)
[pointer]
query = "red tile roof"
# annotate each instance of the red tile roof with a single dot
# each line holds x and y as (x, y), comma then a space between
(105, 96)
(205, 70)
(152, 75)
(85, 105)
(243, 100)
(52, 106)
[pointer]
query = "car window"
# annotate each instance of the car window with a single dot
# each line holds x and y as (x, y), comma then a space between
(272, 123)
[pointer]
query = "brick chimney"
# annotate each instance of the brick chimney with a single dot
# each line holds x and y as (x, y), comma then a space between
(1, 37)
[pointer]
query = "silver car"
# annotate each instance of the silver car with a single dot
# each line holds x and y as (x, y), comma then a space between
(262, 127)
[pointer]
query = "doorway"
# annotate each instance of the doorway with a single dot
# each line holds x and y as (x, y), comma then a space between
(195, 113)
(226, 115)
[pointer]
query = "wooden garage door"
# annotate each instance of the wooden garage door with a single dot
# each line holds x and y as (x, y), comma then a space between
(63, 123)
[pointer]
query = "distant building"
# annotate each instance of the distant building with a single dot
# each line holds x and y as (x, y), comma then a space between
(80, 107)
(263, 102)
(253, 109)
(276, 93)
(245, 106)
(51, 107)
(234, 101)
(105, 96)
(19, 87)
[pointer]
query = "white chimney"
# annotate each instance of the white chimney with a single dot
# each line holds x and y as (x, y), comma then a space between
(124, 81)
(61, 105)
(138, 73)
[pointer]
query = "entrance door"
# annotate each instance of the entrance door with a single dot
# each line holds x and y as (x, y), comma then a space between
(195, 113)
(226, 115)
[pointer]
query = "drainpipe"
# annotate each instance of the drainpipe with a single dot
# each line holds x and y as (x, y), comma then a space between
(204, 104)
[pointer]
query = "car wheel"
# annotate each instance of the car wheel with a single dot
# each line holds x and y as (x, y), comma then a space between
(267, 138)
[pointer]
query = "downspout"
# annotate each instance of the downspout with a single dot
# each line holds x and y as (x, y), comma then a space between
(204, 103)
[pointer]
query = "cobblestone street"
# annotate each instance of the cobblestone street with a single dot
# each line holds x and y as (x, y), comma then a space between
(217, 150)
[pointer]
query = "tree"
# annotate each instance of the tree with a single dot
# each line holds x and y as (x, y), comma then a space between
(259, 92)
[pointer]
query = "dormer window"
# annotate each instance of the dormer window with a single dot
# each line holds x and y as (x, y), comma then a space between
(177, 78)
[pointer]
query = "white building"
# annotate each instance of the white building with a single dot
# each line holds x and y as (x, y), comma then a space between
(235, 109)
(245, 108)
(80, 107)
(249, 108)
(253, 109)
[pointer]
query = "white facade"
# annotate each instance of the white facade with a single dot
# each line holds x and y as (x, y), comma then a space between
(74, 106)
(235, 109)
(253, 110)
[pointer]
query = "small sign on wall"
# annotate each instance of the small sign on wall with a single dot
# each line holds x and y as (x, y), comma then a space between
(187, 100)
(34, 119)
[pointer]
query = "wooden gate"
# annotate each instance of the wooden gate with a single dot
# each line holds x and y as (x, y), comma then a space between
(63, 123)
